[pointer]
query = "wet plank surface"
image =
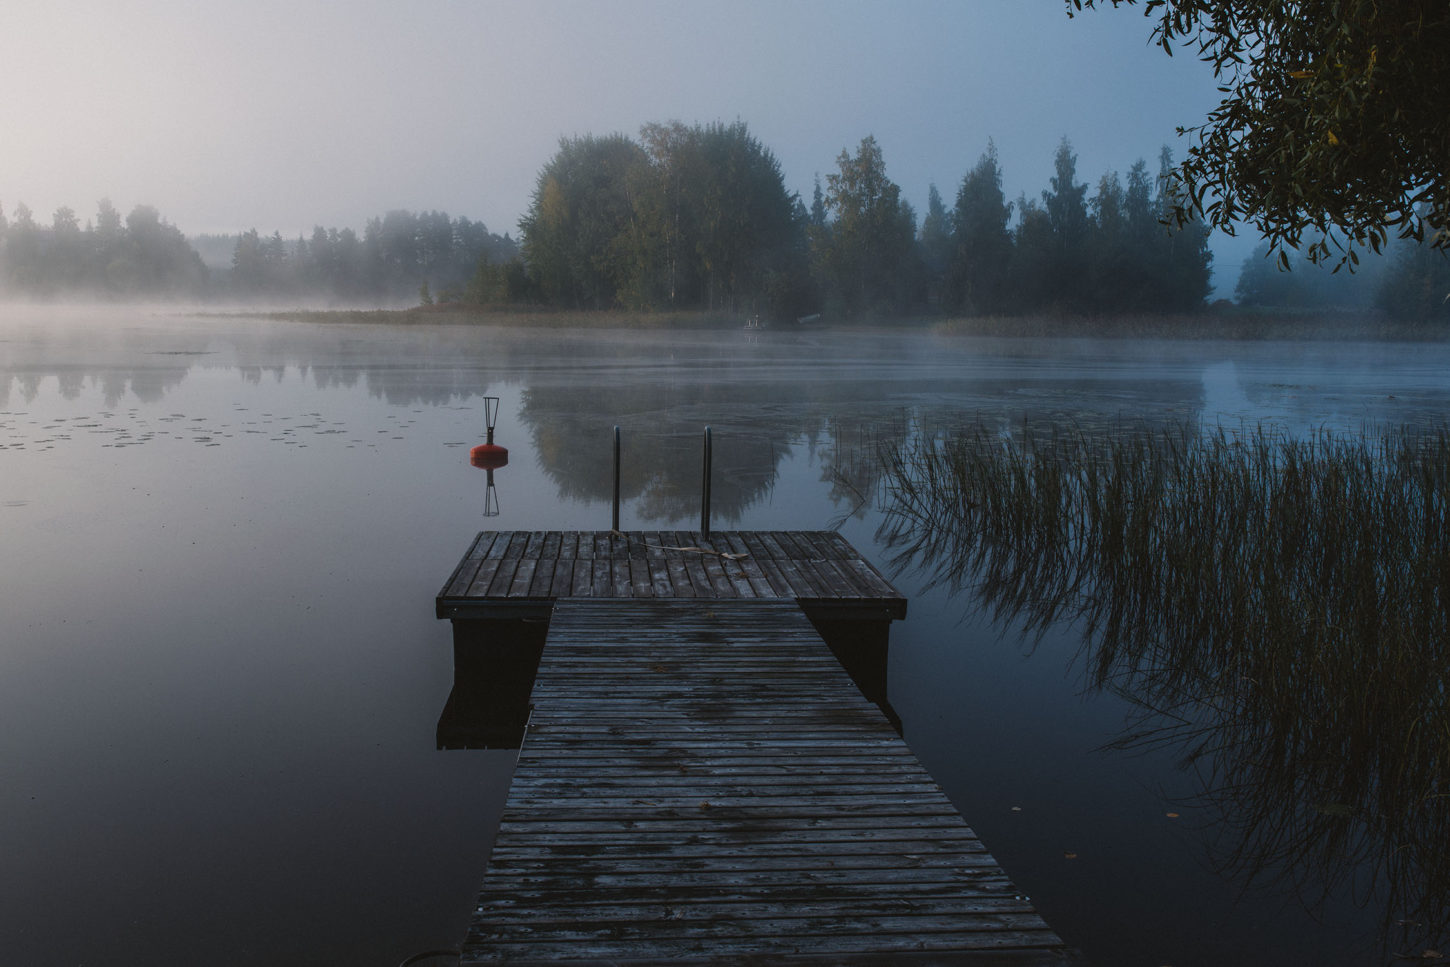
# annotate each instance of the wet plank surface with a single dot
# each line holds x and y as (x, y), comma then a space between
(506, 570)
(702, 783)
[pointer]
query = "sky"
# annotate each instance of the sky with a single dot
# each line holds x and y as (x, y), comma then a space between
(285, 114)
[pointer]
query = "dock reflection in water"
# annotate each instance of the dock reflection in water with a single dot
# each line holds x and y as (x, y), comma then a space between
(494, 664)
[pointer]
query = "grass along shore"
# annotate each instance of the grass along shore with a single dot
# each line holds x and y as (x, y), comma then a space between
(1219, 322)
(1277, 610)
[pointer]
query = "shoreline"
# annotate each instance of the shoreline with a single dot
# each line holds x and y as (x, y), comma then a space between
(1225, 323)
(1242, 325)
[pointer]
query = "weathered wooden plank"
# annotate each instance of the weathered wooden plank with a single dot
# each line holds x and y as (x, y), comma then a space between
(779, 925)
(780, 950)
(462, 577)
(876, 585)
(836, 951)
(680, 584)
(563, 908)
(814, 562)
(769, 766)
(983, 883)
(658, 569)
(602, 585)
(739, 580)
(818, 747)
(830, 558)
(601, 660)
(543, 582)
(586, 755)
(694, 565)
(487, 563)
(523, 577)
(622, 584)
(780, 585)
(795, 562)
(654, 643)
(641, 582)
(754, 572)
(650, 644)
(549, 550)
(563, 584)
(603, 762)
(771, 545)
(660, 581)
(792, 548)
(846, 829)
(508, 566)
(504, 879)
(599, 663)
(583, 574)
(484, 576)
(716, 575)
(834, 544)
(721, 790)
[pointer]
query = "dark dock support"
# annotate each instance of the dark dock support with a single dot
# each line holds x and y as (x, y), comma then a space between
(705, 489)
(700, 782)
(615, 516)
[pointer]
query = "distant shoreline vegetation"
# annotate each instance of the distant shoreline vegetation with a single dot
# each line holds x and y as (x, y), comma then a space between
(537, 317)
(1226, 322)
(686, 220)
(1223, 323)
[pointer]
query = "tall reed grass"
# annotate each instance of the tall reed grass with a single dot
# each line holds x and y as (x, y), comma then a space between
(1276, 608)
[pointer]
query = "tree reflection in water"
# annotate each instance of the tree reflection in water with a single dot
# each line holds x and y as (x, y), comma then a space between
(660, 472)
(1275, 609)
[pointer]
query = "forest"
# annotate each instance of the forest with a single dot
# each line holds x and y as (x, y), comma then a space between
(699, 218)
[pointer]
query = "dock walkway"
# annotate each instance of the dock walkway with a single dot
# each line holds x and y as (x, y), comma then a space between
(701, 783)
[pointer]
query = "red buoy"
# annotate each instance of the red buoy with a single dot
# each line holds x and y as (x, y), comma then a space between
(488, 455)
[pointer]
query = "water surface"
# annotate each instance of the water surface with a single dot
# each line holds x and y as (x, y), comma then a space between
(220, 673)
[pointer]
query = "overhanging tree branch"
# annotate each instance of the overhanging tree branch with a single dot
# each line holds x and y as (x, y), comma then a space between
(1333, 127)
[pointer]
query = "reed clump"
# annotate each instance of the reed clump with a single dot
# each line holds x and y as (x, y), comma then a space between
(1277, 609)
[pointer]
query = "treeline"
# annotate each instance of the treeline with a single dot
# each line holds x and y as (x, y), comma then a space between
(140, 256)
(684, 218)
(1111, 252)
(699, 217)
(401, 256)
(1408, 281)
(398, 256)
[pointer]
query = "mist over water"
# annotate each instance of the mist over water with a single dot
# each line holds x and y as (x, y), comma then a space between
(220, 672)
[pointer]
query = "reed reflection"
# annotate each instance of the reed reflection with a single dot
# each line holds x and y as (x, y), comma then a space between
(1275, 609)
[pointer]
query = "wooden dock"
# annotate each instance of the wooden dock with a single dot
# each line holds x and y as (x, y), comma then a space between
(521, 573)
(701, 782)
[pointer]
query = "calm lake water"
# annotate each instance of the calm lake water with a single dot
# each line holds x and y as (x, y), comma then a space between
(220, 673)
